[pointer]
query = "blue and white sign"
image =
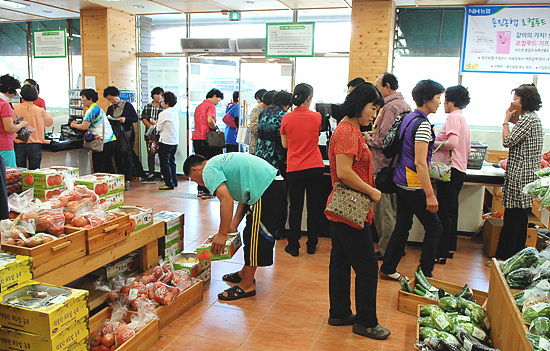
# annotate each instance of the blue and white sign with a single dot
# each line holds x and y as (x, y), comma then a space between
(506, 39)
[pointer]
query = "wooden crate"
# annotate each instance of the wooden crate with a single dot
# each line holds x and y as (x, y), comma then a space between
(56, 253)
(507, 326)
(187, 299)
(107, 234)
(408, 303)
(495, 156)
(141, 341)
(491, 235)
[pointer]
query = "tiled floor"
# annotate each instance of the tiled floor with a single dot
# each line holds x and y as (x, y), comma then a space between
(290, 309)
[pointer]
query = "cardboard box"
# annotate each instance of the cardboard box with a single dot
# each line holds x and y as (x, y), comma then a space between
(57, 314)
(142, 217)
(14, 270)
(102, 183)
(11, 339)
(169, 240)
(189, 263)
(205, 276)
(113, 200)
(124, 265)
(495, 156)
(46, 194)
(231, 246)
(172, 220)
(491, 235)
(170, 252)
(42, 178)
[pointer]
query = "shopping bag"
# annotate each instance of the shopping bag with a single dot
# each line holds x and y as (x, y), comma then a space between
(440, 170)
(243, 135)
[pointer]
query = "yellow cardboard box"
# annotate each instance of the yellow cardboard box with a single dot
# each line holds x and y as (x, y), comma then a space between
(11, 339)
(42, 309)
(14, 270)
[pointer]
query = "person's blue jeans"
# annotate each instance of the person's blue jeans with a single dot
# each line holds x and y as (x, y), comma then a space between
(167, 157)
(31, 152)
(412, 203)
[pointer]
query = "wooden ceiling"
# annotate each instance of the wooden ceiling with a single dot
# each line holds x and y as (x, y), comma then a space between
(58, 9)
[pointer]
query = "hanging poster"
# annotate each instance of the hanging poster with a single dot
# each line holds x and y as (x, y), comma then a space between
(49, 43)
(293, 39)
(506, 39)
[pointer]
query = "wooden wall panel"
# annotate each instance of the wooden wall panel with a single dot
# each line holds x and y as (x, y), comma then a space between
(109, 49)
(372, 34)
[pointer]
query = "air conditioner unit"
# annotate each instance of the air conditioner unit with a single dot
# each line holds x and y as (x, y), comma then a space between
(251, 45)
(208, 45)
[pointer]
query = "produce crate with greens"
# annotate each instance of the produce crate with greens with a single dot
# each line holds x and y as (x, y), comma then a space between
(539, 310)
(526, 258)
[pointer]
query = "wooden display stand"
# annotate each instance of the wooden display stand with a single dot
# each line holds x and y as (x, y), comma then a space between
(141, 341)
(507, 326)
(408, 303)
(187, 299)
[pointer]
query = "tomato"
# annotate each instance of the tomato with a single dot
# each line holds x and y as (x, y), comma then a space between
(113, 296)
(123, 336)
(125, 290)
(68, 217)
(75, 196)
(158, 272)
(55, 203)
(168, 298)
(44, 222)
(73, 206)
(112, 348)
(79, 221)
(108, 339)
(64, 199)
(102, 348)
(95, 339)
(107, 328)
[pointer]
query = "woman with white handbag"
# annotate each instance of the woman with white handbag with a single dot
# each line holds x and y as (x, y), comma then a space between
(453, 143)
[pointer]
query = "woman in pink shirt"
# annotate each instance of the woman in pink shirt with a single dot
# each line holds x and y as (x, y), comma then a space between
(300, 135)
(455, 137)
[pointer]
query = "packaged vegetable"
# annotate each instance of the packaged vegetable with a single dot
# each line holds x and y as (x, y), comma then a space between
(441, 321)
(426, 311)
(540, 326)
(448, 303)
(526, 258)
(538, 310)
(521, 277)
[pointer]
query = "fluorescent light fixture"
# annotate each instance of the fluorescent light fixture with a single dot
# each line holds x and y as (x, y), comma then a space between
(12, 4)
(139, 6)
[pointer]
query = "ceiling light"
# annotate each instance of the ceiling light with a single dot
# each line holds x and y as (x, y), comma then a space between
(46, 11)
(249, 2)
(139, 6)
(12, 4)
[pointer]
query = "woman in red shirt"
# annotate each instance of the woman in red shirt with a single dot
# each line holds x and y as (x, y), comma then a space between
(300, 135)
(351, 163)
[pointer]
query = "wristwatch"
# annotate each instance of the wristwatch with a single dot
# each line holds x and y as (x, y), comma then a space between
(505, 124)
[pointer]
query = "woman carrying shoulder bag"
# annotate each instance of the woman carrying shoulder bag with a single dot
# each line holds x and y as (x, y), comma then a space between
(95, 122)
(351, 163)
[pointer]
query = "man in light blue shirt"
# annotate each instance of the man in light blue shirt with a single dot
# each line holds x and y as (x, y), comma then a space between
(261, 195)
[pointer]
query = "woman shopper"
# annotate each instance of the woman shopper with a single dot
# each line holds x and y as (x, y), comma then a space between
(38, 102)
(125, 115)
(38, 119)
(231, 120)
(453, 141)
(270, 146)
(8, 89)
(524, 142)
(253, 124)
(168, 127)
(95, 122)
(149, 117)
(304, 170)
(415, 195)
(351, 163)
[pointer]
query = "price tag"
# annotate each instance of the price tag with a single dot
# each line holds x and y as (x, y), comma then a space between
(468, 344)
(479, 334)
(544, 344)
(59, 299)
(434, 289)
(133, 294)
(442, 322)
(45, 205)
(539, 306)
(544, 285)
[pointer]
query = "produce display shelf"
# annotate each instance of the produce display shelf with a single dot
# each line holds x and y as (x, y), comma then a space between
(182, 303)
(507, 326)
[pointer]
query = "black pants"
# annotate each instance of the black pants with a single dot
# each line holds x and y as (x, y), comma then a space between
(103, 161)
(4, 208)
(447, 197)
(353, 248)
(150, 157)
(307, 181)
(412, 203)
(123, 160)
(231, 148)
(167, 157)
(201, 148)
(31, 152)
(513, 233)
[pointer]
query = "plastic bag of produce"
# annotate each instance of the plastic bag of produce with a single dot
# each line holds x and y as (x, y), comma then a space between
(539, 310)
(545, 172)
(427, 332)
(448, 303)
(426, 311)
(538, 188)
(522, 277)
(441, 321)
(426, 322)
(106, 335)
(19, 202)
(77, 199)
(526, 258)
(531, 296)
(15, 232)
(540, 326)
(539, 342)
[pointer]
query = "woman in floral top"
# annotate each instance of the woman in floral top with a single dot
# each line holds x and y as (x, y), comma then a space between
(351, 163)
(269, 146)
(525, 144)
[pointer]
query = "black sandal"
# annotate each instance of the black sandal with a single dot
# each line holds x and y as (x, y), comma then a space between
(232, 277)
(235, 293)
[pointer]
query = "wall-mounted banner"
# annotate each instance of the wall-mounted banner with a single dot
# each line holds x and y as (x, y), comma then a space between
(511, 39)
(289, 39)
(49, 43)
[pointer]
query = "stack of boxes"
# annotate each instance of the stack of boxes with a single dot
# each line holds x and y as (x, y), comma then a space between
(48, 182)
(171, 243)
(36, 316)
(109, 187)
(189, 262)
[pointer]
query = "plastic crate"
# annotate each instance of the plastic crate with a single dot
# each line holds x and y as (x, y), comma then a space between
(477, 154)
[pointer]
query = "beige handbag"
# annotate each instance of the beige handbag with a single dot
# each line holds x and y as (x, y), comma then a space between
(348, 206)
